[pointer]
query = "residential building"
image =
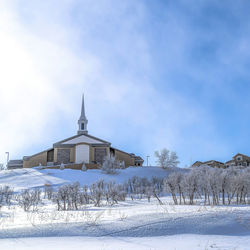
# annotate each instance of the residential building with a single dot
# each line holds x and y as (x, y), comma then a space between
(239, 160)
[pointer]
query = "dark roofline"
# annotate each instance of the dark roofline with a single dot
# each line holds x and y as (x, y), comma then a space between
(206, 162)
(55, 145)
(197, 162)
(213, 161)
(229, 161)
(99, 144)
(241, 154)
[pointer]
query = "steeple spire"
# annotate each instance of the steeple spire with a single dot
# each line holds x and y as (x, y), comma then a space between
(82, 122)
(83, 109)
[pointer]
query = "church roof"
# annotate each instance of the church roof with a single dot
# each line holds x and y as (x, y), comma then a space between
(83, 138)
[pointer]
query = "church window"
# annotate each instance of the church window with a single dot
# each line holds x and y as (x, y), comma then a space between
(82, 126)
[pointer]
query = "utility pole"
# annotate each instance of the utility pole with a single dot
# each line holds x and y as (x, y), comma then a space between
(8, 157)
(147, 159)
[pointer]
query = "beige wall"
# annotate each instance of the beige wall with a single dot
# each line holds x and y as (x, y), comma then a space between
(42, 157)
(122, 156)
(55, 154)
(72, 154)
(35, 160)
(129, 161)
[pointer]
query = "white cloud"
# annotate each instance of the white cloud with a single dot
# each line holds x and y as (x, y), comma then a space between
(50, 54)
(36, 74)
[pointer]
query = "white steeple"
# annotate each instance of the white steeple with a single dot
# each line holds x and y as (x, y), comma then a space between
(82, 122)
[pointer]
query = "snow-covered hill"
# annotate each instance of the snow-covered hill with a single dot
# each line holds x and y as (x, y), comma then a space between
(33, 177)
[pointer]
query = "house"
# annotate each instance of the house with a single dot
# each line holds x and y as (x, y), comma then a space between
(80, 148)
(211, 163)
(239, 160)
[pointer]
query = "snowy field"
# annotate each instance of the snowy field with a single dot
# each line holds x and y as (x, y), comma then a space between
(128, 225)
(137, 224)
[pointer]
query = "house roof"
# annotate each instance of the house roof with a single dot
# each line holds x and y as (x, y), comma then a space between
(197, 163)
(211, 161)
(229, 161)
(241, 155)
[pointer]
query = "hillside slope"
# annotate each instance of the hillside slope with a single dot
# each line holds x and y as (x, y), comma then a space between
(33, 177)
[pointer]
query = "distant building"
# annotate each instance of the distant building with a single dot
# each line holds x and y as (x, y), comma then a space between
(211, 163)
(14, 164)
(81, 148)
(237, 160)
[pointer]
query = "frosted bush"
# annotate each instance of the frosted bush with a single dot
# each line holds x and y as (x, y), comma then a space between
(62, 167)
(84, 168)
(110, 165)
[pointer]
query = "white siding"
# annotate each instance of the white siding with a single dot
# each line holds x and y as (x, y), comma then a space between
(82, 153)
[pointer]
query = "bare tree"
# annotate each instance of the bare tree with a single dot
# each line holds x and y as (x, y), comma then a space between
(48, 191)
(6, 193)
(173, 185)
(97, 192)
(166, 158)
(29, 199)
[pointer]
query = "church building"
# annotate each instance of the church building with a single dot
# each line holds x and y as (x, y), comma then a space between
(80, 148)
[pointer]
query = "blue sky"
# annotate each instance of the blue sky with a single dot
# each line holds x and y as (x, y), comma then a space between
(155, 74)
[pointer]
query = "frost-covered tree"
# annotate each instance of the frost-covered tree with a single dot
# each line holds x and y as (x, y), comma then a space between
(122, 165)
(1, 167)
(173, 185)
(97, 192)
(166, 158)
(110, 165)
(29, 199)
(6, 194)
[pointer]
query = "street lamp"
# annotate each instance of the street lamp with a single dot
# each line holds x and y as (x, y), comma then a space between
(8, 157)
(147, 159)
